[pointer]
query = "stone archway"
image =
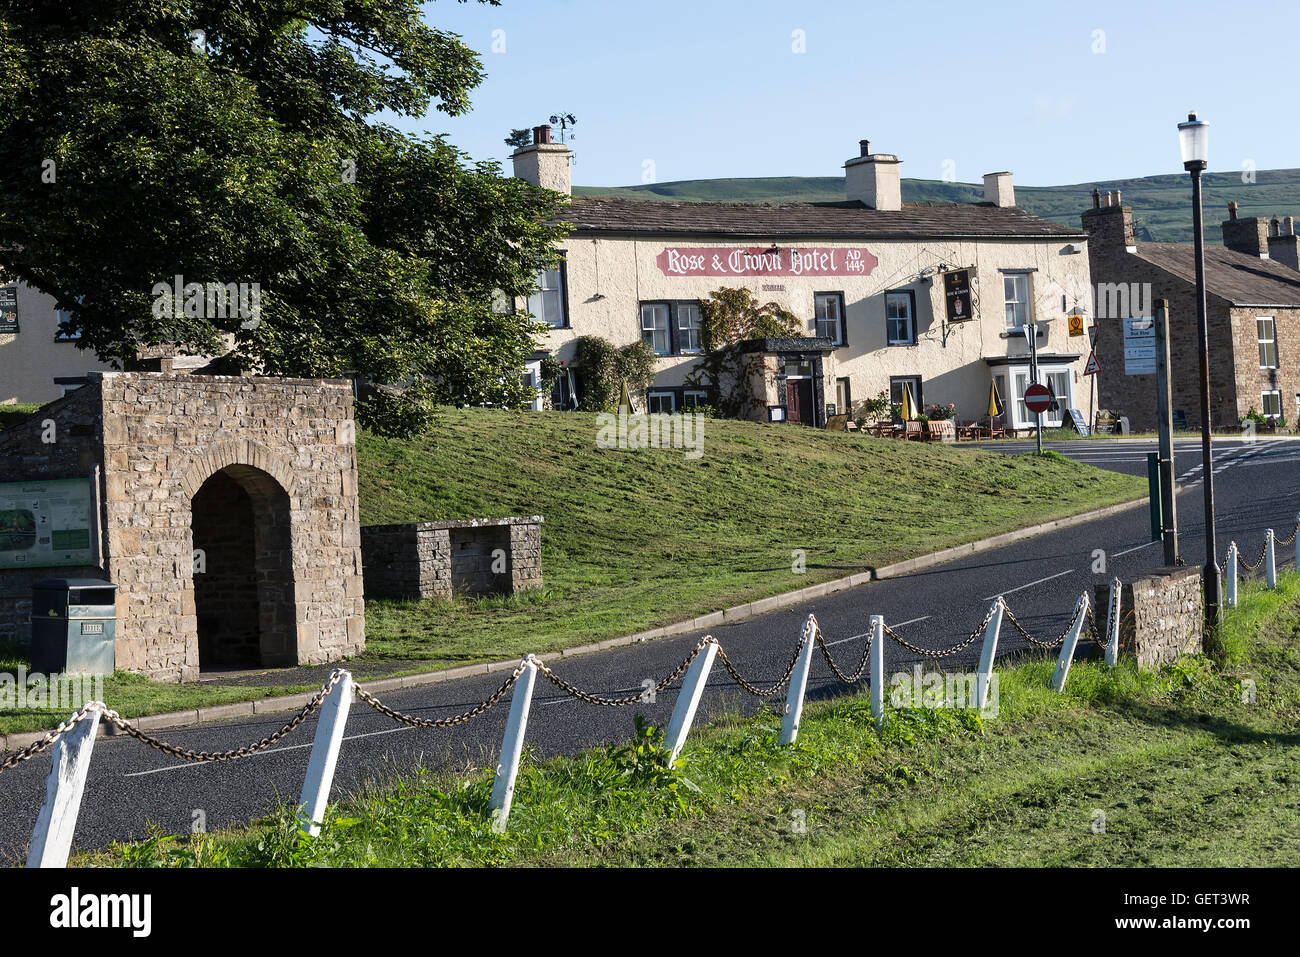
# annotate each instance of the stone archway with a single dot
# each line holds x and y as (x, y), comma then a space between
(243, 570)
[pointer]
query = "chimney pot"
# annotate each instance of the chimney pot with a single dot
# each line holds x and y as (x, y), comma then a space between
(1096, 199)
(541, 134)
(864, 147)
(1232, 211)
(544, 163)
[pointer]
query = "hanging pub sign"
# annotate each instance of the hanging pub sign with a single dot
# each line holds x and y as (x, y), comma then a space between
(771, 261)
(8, 309)
(956, 295)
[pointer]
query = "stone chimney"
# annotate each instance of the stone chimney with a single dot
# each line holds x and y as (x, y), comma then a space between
(1249, 236)
(873, 179)
(998, 189)
(544, 163)
(1109, 223)
(1284, 244)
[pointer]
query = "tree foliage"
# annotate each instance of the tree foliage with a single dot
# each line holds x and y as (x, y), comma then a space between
(234, 141)
(733, 315)
(605, 368)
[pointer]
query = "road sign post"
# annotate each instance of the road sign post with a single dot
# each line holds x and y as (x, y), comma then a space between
(1038, 399)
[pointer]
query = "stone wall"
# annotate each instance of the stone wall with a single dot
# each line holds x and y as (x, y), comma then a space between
(441, 559)
(1167, 617)
(157, 438)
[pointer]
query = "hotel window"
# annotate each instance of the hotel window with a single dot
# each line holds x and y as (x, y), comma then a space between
(898, 383)
(660, 402)
(548, 303)
(691, 399)
(62, 316)
(1271, 403)
(1015, 290)
(654, 327)
(688, 327)
(828, 308)
(1267, 333)
(900, 318)
(843, 397)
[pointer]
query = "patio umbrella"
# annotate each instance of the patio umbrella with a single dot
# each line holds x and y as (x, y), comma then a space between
(908, 408)
(995, 401)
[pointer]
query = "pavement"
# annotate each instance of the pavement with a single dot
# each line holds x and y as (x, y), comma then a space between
(1257, 486)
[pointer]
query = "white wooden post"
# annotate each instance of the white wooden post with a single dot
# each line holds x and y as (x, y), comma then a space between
(512, 745)
(69, 765)
(878, 670)
(1297, 542)
(1112, 623)
(679, 725)
(798, 685)
(1270, 560)
(988, 652)
(325, 755)
(1230, 576)
(1066, 658)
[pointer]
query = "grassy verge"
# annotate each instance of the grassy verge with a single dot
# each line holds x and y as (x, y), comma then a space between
(1195, 765)
(637, 539)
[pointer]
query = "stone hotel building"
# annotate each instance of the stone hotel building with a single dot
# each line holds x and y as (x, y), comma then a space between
(935, 296)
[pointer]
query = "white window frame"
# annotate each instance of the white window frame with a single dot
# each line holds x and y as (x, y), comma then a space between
(702, 398)
(650, 332)
(1263, 405)
(905, 297)
(652, 395)
(1018, 412)
(533, 371)
(820, 299)
(537, 301)
(687, 330)
(1013, 304)
(1266, 344)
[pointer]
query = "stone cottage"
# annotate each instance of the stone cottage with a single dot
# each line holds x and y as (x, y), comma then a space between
(224, 508)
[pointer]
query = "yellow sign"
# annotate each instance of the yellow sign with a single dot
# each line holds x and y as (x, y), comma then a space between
(1076, 325)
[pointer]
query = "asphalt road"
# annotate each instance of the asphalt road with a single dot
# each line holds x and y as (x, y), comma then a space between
(1257, 485)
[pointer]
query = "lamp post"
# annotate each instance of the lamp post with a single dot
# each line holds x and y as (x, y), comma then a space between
(1194, 143)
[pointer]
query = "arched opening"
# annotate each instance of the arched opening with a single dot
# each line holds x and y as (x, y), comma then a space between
(243, 571)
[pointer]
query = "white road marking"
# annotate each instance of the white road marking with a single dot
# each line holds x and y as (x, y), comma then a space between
(1137, 548)
(912, 621)
(1008, 591)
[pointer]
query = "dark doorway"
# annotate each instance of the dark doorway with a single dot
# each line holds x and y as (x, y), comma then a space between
(799, 401)
(243, 573)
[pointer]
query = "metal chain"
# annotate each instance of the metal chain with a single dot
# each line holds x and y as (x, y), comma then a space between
(1263, 553)
(830, 662)
(414, 722)
(47, 742)
(640, 696)
(928, 653)
(201, 757)
(1294, 532)
(754, 689)
(1060, 640)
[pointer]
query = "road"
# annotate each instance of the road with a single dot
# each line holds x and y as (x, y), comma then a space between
(1257, 485)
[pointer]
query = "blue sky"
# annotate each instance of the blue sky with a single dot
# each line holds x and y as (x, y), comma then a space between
(714, 88)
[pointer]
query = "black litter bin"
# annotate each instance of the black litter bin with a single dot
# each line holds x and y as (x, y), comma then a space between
(73, 625)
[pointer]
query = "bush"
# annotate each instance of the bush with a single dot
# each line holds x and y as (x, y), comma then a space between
(396, 415)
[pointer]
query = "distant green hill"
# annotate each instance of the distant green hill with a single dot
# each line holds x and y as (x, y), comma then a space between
(1161, 204)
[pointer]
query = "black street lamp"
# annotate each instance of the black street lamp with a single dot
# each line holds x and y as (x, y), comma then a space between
(1194, 142)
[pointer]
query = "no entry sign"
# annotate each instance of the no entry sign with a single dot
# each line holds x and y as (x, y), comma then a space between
(1038, 398)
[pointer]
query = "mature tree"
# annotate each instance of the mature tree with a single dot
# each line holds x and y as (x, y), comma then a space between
(236, 141)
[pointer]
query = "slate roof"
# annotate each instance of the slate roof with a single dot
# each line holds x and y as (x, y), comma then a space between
(1240, 278)
(847, 220)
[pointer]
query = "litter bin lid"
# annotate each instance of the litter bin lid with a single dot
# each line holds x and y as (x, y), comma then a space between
(59, 584)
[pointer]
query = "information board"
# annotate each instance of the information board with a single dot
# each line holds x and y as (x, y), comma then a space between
(1140, 346)
(45, 524)
(1079, 422)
